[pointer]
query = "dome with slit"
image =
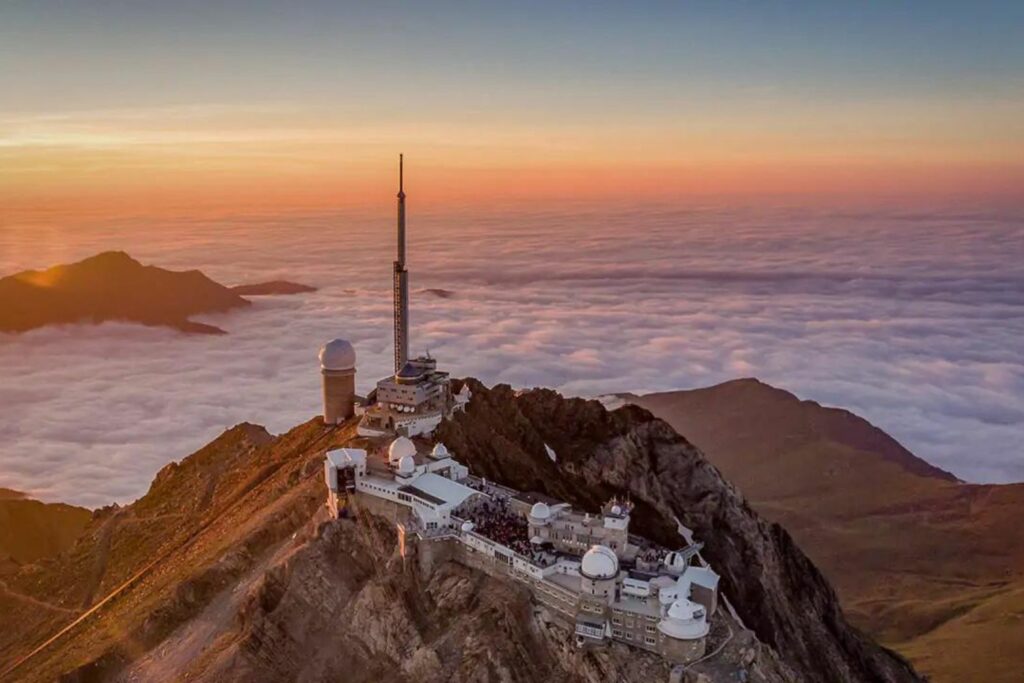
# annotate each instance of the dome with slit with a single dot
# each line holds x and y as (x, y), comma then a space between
(337, 354)
(685, 620)
(399, 448)
(600, 562)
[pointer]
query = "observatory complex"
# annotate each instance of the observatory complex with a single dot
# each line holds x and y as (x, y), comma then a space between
(584, 569)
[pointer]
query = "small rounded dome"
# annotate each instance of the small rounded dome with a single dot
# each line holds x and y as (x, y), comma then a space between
(685, 620)
(675, 561)
(337, 354)
(407, 465)
(599, 562)
(616, 509)
(540, 512)
(440, 451)
(467, 526)
(399, 448)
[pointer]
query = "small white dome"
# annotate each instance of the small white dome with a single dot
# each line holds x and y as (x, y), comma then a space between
(468, 526)
(599, 562)
(399, 448)
(616, 509)
(685, 620)
(440, 450)
(337, 354)
(540, 512)
(407, 465)
(675, 561)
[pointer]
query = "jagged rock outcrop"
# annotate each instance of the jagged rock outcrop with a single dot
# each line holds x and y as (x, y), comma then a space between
(776, 590)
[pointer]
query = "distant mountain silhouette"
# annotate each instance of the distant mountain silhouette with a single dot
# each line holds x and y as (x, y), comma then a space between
(279, 287)
(113, 286)
(31, 530)
(929, 565)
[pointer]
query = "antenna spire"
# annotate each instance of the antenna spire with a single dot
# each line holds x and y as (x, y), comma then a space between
(401, 280)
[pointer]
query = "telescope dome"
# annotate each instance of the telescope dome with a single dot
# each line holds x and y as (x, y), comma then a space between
(599, 562)
(337, 354)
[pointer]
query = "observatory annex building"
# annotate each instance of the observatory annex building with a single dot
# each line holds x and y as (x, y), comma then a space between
(584, 568)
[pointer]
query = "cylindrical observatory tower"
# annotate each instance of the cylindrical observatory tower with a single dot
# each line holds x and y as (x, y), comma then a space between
(338, 367)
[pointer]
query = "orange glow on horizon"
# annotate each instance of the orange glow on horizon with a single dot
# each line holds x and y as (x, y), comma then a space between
(190, 190)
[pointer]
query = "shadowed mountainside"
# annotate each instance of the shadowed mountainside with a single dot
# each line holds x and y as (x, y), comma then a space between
(931, 566)
(228, 570)
(627, 452)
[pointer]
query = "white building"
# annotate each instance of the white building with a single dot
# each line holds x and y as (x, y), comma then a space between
(632, 593)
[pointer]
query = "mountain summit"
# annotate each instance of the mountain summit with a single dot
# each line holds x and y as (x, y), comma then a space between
(229, 568)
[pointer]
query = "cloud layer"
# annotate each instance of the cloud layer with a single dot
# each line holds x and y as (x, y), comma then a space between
(912, 319)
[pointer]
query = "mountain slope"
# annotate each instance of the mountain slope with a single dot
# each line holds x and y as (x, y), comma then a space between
(915, 555)
(227, 569)
(111, 286)
(30, 529)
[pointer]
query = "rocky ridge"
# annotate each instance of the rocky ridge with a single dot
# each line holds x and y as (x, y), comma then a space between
(775, 589)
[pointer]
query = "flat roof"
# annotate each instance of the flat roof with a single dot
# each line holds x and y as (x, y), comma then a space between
(420, 493)
(443, 489)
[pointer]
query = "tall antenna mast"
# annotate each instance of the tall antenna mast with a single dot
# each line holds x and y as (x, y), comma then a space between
(401, 280)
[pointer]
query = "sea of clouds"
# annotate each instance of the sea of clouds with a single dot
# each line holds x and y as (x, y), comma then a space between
(913, 319)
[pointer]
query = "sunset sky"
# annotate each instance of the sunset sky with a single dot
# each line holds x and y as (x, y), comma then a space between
(153, 105)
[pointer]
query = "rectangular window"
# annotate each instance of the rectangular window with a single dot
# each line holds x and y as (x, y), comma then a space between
(629, 636)
(650, 641)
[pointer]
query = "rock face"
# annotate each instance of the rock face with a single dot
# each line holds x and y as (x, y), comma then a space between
(775, 589)
(926, 564)
(229, 570)
(112, 286)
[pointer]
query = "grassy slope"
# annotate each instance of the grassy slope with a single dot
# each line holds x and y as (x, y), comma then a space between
(923, 563)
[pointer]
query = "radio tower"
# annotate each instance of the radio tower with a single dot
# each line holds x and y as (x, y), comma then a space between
(401, 283)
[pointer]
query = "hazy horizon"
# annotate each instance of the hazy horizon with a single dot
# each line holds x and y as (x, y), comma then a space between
(908, 317)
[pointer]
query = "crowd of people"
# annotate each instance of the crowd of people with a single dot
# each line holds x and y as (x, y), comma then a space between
(494, 519)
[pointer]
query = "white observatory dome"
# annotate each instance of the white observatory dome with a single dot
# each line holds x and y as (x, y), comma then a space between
(400, 448)
(468, 525)
(407, 465)
(599, 563)
(440, 451)
(676, 562)
(685, 620)
(540, 513)
(616, 509)
(337, 354)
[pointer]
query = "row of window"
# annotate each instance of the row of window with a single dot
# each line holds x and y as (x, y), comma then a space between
(618, 633)
(621, 612)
